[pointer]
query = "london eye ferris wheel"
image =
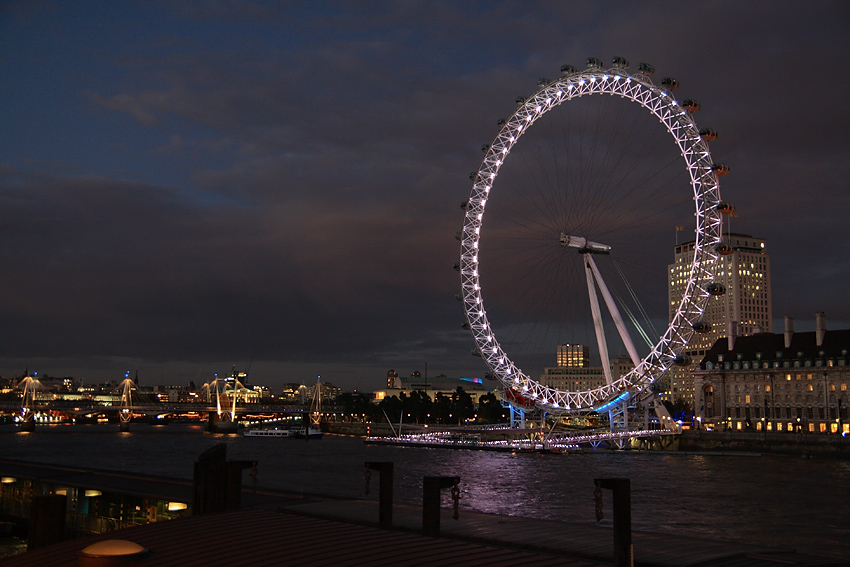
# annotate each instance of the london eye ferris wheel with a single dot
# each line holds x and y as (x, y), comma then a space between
(583, 186)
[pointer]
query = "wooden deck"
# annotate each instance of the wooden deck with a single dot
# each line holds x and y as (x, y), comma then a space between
(345, 533)
(588, 541)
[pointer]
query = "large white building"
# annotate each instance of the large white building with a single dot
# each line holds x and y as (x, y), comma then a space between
(573, 355)
(743, 267)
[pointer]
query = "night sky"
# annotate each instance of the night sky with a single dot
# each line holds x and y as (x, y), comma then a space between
(188, 186)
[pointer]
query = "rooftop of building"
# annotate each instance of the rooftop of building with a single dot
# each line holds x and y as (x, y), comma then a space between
(757, 243)
(770, 347)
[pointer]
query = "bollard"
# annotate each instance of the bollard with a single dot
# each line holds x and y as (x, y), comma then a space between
(217, 483)
(623, 551)
(210, 481)
(431, 486)
(47, 520)
(234, 483)
(385, 501)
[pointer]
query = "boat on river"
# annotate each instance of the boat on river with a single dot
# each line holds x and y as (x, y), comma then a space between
(284, 432)
(312, 430)
(292, 432)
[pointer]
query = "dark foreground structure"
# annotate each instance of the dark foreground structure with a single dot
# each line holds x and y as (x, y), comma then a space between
(277, 528)
(337, 533)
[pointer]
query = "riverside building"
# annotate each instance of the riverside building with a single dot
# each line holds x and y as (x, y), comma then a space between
(789, 382)
(743, 268)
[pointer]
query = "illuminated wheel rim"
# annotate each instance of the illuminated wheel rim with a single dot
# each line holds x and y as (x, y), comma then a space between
(702, 175)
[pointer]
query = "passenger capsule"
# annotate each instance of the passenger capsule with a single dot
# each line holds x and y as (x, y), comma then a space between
(520, 100)
(476, 352)
(720, 168)
(715, 288)
(723, 249)
(702, 327)
(459, 296)
(708, 134)
(726, 208)
(473, 175)
(593, 63)
(568, 70)
(646, 69)
(489, 376)
(620, 63)
(463, 204)
(458, 236)
(682, 360)
(542, 83)
(457, 266)
(465, 326)
(690, 105)
(501, 122)
(670, 83)
(485, 147)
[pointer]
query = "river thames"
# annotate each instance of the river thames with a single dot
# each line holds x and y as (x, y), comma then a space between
(779, 501)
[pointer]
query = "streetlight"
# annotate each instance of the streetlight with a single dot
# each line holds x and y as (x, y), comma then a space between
(772, 400)
(825, 399)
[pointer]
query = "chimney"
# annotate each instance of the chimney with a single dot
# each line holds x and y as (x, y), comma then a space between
(789, 330)
(731, 333)
(820, 323)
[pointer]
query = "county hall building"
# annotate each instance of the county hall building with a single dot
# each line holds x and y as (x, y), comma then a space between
(789, 382)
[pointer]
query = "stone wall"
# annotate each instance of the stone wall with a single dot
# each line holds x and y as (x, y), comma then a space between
(756, 442)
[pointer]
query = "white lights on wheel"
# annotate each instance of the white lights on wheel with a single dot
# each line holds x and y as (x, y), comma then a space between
(705, 190)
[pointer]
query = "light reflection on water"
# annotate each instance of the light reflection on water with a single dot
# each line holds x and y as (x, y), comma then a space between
(772, 500)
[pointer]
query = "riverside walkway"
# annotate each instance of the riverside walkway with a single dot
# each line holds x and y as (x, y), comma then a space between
(276, 528)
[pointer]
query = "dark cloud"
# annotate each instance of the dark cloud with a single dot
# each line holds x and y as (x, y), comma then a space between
(228, 180)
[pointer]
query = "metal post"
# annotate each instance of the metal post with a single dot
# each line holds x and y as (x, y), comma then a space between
(385, 502)
(623, 550)
(431, 486)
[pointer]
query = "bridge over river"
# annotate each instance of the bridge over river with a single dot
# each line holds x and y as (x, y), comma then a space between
(88, 411)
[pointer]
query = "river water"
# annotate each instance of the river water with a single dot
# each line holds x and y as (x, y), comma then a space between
(780, 501)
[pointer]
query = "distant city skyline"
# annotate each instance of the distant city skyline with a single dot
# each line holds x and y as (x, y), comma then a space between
(187, 187)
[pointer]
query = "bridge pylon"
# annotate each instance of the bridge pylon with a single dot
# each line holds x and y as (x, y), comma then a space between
(226, 391)
(29, 386)
(126, 414)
